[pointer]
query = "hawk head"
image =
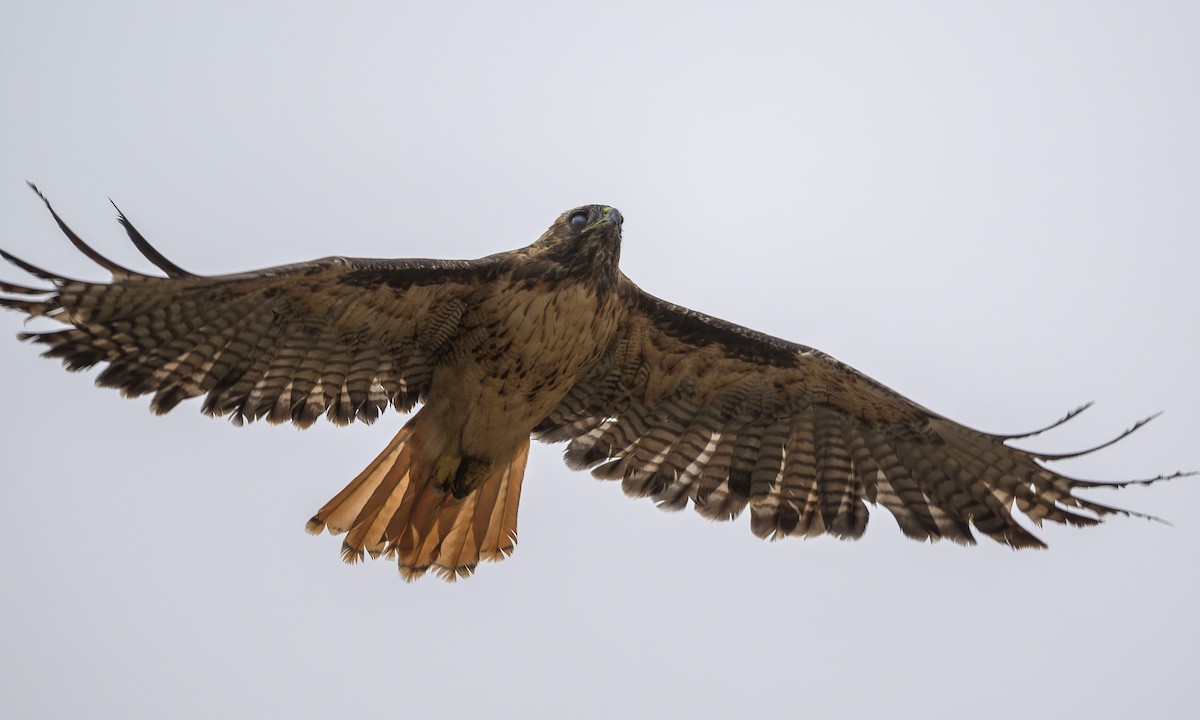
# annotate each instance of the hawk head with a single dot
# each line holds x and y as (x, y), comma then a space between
(585, 240)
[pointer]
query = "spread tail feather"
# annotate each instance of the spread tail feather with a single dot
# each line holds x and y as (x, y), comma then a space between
(394, 508)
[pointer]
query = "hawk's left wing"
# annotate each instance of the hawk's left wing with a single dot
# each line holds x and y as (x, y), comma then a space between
(689, 407)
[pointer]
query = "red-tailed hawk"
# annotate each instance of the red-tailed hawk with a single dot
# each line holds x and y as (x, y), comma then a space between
(550, 341)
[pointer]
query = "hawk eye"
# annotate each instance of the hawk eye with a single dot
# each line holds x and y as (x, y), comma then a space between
(578, 220)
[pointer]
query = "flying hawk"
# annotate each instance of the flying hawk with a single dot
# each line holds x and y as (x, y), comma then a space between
(553, 342)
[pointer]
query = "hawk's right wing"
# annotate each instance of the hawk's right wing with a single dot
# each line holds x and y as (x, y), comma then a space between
(342, 337)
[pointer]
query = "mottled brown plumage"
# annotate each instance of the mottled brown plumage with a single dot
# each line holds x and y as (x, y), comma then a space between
(550, 340)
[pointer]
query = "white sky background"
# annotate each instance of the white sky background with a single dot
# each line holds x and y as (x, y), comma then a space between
(990, 208)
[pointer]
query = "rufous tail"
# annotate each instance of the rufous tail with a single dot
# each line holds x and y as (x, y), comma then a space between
(394, 509)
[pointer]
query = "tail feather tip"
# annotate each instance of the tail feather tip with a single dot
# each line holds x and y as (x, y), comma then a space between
(412, 572)
(351, 555)
(453, 574)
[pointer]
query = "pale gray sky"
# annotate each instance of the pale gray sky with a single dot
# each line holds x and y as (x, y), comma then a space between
(991, 207)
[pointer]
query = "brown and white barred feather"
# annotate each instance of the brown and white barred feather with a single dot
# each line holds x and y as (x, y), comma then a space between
(689, 408)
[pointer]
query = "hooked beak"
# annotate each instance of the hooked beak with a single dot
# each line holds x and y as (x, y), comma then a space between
(608, 216)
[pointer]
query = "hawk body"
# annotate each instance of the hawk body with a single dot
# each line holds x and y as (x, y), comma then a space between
(553, 341)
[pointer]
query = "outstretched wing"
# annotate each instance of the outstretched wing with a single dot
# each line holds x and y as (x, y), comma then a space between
(689, 407)
(341, 337)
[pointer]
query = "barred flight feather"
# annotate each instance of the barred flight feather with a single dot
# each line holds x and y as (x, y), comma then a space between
(714, 496)
(684, 461)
